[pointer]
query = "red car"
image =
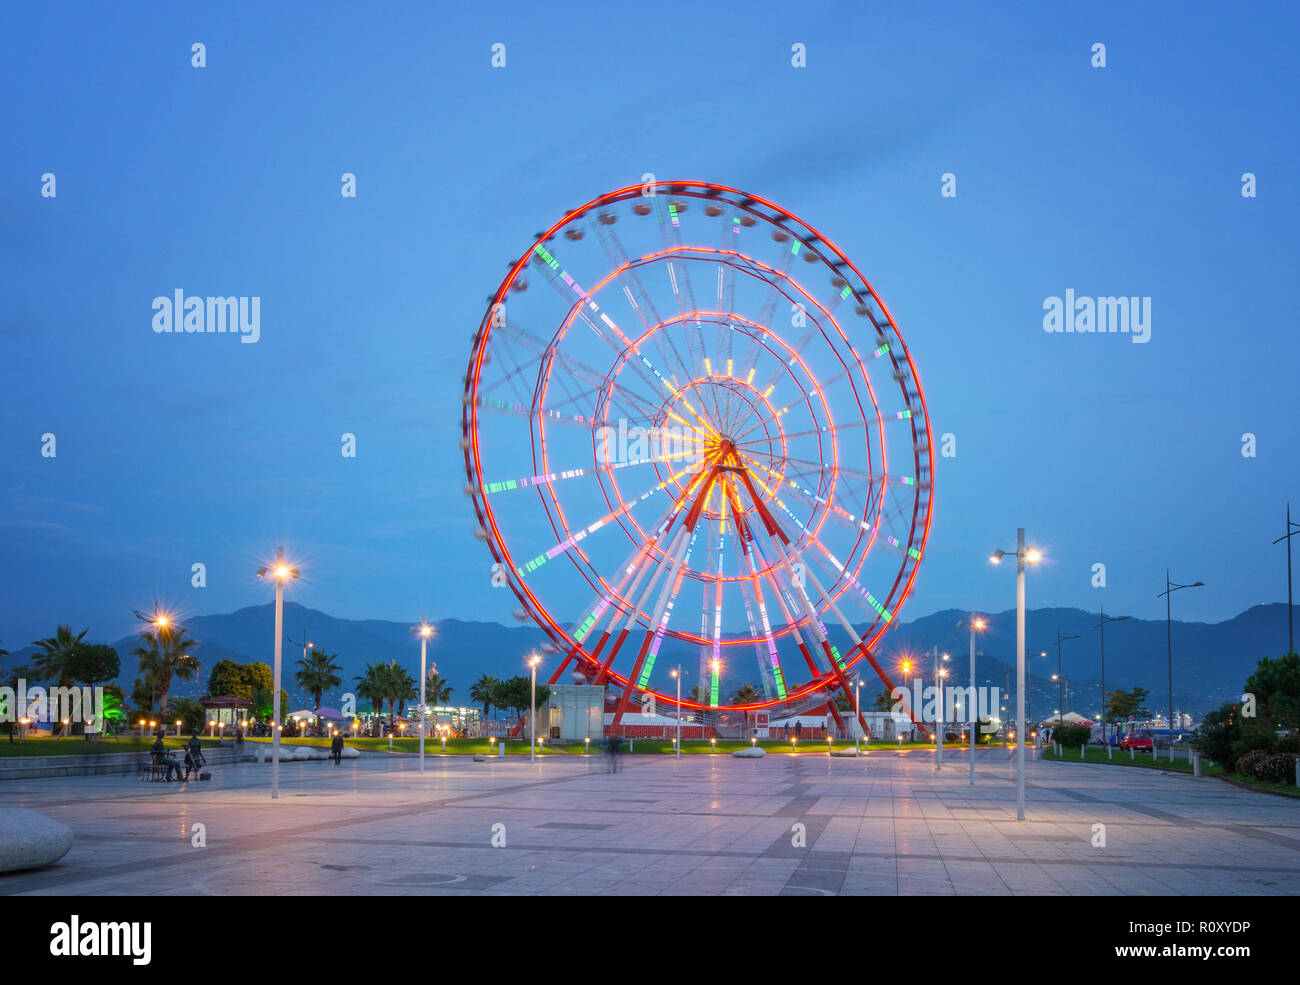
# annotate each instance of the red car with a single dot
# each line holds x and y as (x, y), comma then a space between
(1140, 741)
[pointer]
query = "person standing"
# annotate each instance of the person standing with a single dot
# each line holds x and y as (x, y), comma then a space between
(336, 748)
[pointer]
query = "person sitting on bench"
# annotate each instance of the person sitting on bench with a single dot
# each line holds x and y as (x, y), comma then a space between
(161, 758)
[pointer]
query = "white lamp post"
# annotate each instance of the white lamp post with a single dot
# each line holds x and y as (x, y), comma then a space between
(533, 661)
(973, 624)
(425, 631)
(1022, 555)
(281, 571)
(678, 674)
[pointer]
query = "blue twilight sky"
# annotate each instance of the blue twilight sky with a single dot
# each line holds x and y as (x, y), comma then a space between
(225, 180)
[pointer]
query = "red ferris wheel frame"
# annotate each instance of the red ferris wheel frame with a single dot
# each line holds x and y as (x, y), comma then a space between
(882, 320)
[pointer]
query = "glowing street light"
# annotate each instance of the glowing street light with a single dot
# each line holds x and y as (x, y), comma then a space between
(533, 661)
(1023, 555)
(677, 674)
(425, 631)
(280, 572)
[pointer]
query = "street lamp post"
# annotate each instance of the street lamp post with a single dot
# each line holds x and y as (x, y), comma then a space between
(533, 661)
(1170, 588)
(678, 674)
(306, 645)
(281, 571)
(425, 631)
(973, 623)
(1292, 528)
(1102, 626)
(940, 715)
(1060, 678)
(1023, 555)
(857, 708)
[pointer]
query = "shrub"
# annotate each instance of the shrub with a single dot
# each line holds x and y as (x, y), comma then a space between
(1278, 768)
(1071, 736)
(1250, 763)
(1218, 734)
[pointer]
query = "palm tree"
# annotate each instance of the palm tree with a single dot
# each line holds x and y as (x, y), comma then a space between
(436, 689)
(884, 701)
(481, 692)
(404, 687)
(165, 656)
(745, 694)
(501, 697)
(190, 714)
(57, 653)
(318, 672)
(373, 686)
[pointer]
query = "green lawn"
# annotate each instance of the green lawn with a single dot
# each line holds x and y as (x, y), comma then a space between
(1094, 754)
(46, 746)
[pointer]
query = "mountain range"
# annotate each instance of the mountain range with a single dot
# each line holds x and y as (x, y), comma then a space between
(1211, 661)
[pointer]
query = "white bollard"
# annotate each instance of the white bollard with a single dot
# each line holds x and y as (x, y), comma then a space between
(444, 743)
(1196, 764)
(1109, 750)
(1132, 754)
(501, 749)
(1081, 750)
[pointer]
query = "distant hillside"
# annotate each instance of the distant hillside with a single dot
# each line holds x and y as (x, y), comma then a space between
(1211, 660)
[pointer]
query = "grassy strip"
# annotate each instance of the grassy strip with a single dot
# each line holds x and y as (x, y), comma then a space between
(1095, 755)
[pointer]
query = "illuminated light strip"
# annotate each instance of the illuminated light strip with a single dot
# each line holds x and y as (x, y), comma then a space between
(773, 657)
(545, 254)
(644, 679)
(672, 214)
(564, 545)
(881, 350)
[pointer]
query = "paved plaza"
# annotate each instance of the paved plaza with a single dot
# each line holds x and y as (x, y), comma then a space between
(879, 826)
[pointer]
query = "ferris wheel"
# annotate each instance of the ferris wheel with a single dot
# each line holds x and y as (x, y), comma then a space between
(694, 437)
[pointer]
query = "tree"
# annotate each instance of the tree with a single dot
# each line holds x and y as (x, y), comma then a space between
(436, 690)
(884, 701)
(58, 654)
(481, 692)
(404, 687)
(1276, 687)
(229, 677)
(501, 696)
(1219, 733)
(189, 713)
(745, 694)
(94, 663)
(166, 655)
(373, 686)
(318, 672)
(1121, 705)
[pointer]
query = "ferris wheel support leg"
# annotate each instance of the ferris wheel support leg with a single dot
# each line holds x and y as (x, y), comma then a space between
(666, 595)
(560, 669)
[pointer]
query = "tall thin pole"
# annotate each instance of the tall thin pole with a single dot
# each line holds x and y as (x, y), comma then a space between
(1291, 529)
(971, 714)
(939, 714)
(1103, 675)
(424, 643)
(1020, 674)
(679, 711)
(1290, 609)
(1060, 683)
(275, 697)
(532, 719)
(1169, 640)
